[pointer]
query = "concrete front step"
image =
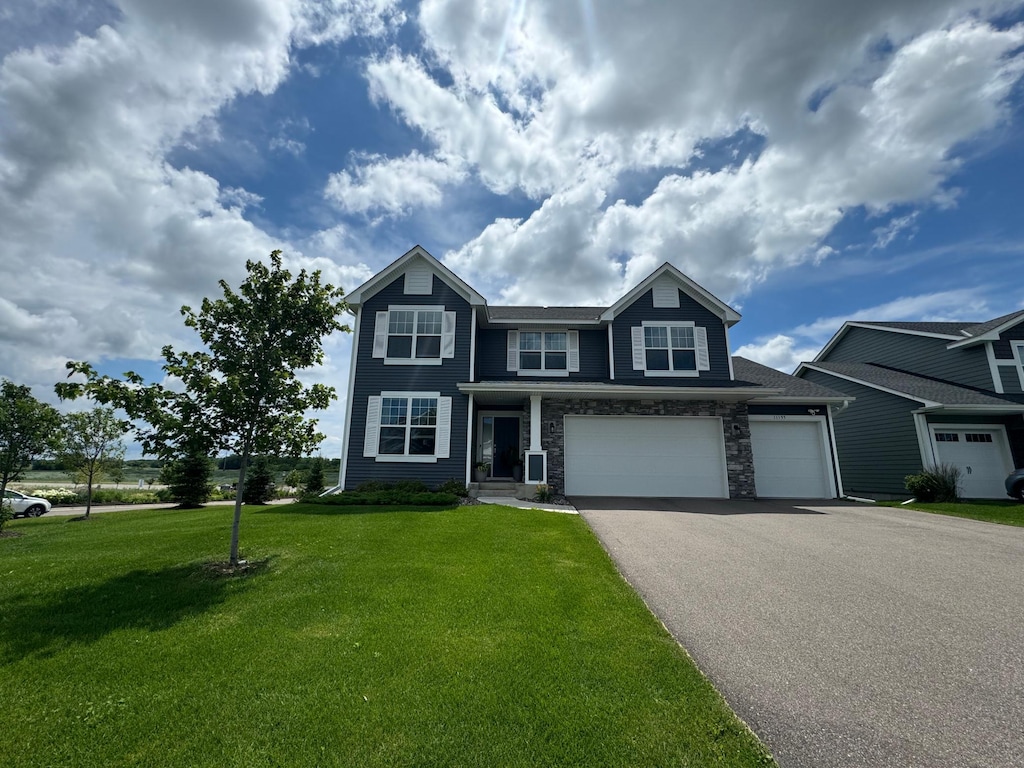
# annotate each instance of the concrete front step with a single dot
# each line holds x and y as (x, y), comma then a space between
(501, 488)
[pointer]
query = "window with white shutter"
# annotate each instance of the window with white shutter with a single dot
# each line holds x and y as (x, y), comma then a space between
(414, 335)
(543, 352)
(670, 349)
(408, 427)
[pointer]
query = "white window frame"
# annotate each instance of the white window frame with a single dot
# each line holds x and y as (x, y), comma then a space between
(572, 352)
(382, 333)
(442, 437)
(1018, 356)
(700, 348)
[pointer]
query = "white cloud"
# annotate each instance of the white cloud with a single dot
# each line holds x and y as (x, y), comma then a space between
(779, 352)
(393, 185)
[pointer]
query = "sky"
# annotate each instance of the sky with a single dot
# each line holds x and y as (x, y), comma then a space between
(809, 162)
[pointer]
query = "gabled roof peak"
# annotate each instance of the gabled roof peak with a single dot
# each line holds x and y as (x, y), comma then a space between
(399, 265)
(699, 294)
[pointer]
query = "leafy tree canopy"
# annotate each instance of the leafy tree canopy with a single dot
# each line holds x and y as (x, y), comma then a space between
(241, 393)
(27, 429)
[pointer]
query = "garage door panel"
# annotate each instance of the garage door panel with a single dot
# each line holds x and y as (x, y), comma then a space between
(645, 456)
(983, 465)
(790, 460)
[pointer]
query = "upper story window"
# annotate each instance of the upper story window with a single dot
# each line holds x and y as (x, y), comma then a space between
(408, 426)
(543, 353)
(414, 335)
(670, 349)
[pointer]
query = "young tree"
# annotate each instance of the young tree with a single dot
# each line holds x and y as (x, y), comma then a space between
(188, 478)
(27, 429)
(90, 445)
(241, 394)
(315, 481)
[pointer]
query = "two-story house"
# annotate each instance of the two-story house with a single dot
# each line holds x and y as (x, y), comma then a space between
(640, 398)
(927, 393)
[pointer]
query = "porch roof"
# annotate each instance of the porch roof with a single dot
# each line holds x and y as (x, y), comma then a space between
(497, 392)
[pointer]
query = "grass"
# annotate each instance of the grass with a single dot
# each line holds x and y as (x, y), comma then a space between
(478, 636)
(989, 510)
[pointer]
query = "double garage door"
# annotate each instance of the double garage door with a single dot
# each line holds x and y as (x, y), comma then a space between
(684, 456)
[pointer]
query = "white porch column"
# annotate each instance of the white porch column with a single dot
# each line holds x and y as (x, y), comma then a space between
(535, 422)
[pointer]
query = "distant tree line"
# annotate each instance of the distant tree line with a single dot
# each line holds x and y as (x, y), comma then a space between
(278, 465)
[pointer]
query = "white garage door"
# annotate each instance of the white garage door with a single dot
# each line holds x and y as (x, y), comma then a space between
(790, 460)
(983, 455)
(645, 456)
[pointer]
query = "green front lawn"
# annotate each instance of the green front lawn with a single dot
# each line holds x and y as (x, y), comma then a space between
(992, 511)
(478, 636)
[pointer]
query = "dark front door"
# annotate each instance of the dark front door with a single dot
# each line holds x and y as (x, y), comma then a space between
(506, 445)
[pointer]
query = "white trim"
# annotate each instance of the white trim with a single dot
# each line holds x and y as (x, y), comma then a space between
(611, 352)
(416, 309)
(1017, 347)
(855, 380)
(419, 281)
(472, 349)
(924, 443)
(406, 457)
(375, 283)
(823, 434)
(728, 354)
(535, 423)
(671, 372)
(834, 450)
(526, 467)
(993, 367)
(561, 322)
(701, 295)
(556, 372)
(636, 391)
(343, 470)
(469, 436)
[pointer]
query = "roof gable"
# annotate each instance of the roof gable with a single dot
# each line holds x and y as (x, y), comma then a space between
(929, 330)
(990, 330)
(416, 256)
(703, 297)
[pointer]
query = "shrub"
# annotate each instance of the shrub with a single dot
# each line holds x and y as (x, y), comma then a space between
(259, 483)
(315, 480)
(372, 486)
(375, 498)
(454, 487)
(57, 495)
(544, 493)
(939, 484)
(188, 478)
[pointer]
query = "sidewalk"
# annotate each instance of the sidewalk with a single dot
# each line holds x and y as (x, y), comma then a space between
(78, 511)
(510, 501)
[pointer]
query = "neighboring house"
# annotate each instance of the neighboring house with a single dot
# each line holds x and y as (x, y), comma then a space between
(641, 398)
(927, 393)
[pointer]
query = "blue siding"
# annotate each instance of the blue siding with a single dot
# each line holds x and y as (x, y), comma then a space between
(875, 437)
(917, 354)
(1010, 378)
(1002, 348)
(643, 309)
(373, 377)
(492, 360)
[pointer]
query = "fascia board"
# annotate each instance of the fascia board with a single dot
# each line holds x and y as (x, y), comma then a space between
(371, 286)
(870, 385)
(702, 296)
(992, 335)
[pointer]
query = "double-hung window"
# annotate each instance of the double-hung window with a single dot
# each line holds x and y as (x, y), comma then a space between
(543, 353)
(670, 349)
(408, 426)
(406, 335)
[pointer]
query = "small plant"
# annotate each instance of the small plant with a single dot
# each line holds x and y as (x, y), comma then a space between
(942, 483)
(57, 495)
(484, 467)
(453, 486)
(544, 493)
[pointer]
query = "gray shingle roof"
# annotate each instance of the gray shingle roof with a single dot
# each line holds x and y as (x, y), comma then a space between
(979, 328)
(791, 386)
(919, 387)
(950, 329)
(544, 313)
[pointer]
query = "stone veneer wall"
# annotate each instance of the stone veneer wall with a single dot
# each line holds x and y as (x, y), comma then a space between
(739, 456)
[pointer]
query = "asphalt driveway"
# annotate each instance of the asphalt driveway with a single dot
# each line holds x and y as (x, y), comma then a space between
(844, 635)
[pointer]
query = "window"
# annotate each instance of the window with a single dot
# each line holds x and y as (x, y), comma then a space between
(414, 335)
(408, 426)
(670, 349)
(544, 352)
(947, 437)
(978, 437)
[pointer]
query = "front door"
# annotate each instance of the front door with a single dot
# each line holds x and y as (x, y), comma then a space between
(499, 443)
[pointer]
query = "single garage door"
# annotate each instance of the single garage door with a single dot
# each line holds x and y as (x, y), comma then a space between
(790, 459)
(645, 456)
(981, 452)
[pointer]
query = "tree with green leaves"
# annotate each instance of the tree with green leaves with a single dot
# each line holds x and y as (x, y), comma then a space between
(240, 394)
(27, 428)
(90, 446)
(188, 477)
(315, 481)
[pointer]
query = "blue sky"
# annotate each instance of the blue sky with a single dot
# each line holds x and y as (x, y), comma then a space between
(808, 163)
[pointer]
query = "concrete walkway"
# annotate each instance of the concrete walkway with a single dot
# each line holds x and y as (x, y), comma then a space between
(510, 501)
(844, 635)
(78, 511)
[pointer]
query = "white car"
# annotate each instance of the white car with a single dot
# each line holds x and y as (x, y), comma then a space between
(27, 506)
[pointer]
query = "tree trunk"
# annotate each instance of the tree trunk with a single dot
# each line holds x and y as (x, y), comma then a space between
(238, 506)
(88, 498)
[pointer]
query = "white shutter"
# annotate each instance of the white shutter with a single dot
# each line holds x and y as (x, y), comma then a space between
(513, 350)
(442, 446)
(372, 425)
(448, 335)
(700, 337)
(639, 360)
(380, 335)
(574, 351)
